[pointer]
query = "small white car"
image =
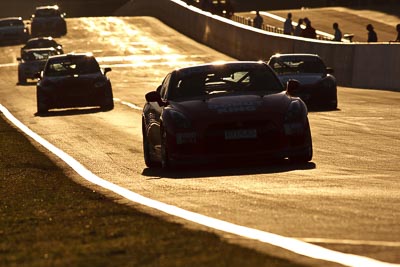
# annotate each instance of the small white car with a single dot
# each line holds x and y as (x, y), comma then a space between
(48, 21)
(13, 29)
(32, 62)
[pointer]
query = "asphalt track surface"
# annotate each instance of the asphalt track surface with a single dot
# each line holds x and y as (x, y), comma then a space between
(347, 199)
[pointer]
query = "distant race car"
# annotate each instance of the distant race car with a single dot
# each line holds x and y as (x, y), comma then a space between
(221, 112)
(318, 85)
(32, 62)
(73, 80)
(13, 29)
(42, 42)
(48, 21)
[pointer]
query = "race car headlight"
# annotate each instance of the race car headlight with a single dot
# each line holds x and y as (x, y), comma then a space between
(294, 118)
(294, 112)
(180, 121)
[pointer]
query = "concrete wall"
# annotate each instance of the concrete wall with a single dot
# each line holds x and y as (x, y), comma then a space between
(355, 65)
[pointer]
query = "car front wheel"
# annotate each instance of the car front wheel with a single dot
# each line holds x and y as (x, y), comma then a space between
(42, 106)
(146, 153)
(21, 79)
(165, 160)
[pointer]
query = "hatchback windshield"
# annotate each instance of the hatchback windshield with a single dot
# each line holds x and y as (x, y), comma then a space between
(293, 65)
(38, 55)
(71, 66)
(47, 12)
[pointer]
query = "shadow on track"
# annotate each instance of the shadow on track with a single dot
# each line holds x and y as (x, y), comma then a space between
(228, 169)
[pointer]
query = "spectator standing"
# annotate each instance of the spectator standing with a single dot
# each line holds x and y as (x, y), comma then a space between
(398, 33)
(338, 33)
(309, 31)
(372, 36)
(287, 25)
(298, 29)
(258, 20)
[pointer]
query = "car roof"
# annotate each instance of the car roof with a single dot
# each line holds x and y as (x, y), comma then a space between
(73, 55)
(48, 7)
(40, 49)
(40, 39)
(294, 55)
(219, 65)
(10, 18)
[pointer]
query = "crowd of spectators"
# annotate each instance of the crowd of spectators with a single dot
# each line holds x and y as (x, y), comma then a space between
(306, 30)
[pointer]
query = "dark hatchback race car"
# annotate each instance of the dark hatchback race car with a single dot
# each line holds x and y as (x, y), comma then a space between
(318, 86)
(48, 21)
(73, 80)
(223, 112)
(13, 29)
(32, 62)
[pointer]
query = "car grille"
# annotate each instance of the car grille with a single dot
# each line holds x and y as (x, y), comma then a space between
(268, 137)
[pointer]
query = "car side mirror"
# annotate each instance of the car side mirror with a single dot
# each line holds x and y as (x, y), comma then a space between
(292, 87)
(108, 69)
(155, 96)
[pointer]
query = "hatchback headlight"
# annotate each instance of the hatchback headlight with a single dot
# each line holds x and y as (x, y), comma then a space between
(294, 123)
(99, 83)
(180, 120)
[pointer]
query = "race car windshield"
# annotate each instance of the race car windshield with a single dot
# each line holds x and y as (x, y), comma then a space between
(37, 55)
(50, 12)
(79, 66)
(11, 23)
(240, 81)
(298, 65)
(41, 44)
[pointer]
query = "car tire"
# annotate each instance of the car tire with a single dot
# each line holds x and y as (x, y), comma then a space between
(42, 106)
(165, 160)
(108, 100)
(146, 153)
(21, 79)
(307, 155)
(303, 158)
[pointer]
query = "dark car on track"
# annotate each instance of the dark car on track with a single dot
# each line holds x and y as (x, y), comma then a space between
(73, 80)
(48, 21)
(220, 112)
(42, 42)
(318, 87)
(32, 62)
(13, 29)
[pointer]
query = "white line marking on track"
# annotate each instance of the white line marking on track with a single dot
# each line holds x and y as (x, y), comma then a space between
(133, 106)
(351, 242)
(291, 244)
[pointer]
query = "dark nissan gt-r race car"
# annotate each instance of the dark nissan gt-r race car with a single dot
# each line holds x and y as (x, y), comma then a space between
(318, 87)
(73, 80)
(222, 112)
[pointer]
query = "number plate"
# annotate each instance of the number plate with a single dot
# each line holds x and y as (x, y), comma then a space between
(240, 134)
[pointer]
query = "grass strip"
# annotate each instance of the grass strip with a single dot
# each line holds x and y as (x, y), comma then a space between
(46, 219)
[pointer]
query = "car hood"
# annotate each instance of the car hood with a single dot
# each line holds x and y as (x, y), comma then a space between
(304, 79)
(234, 107)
